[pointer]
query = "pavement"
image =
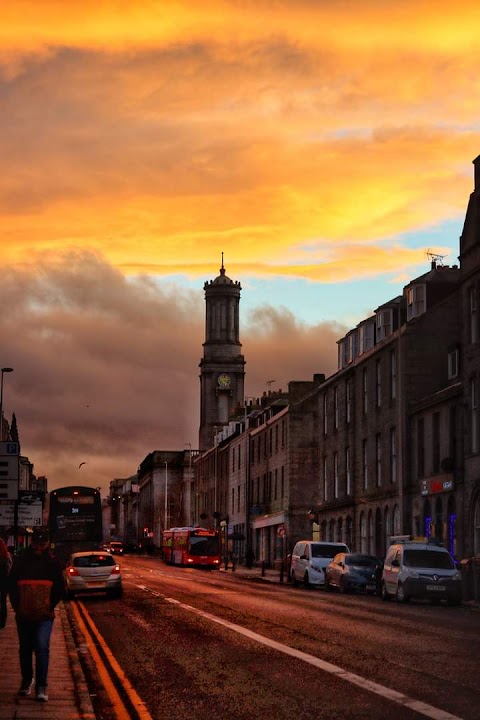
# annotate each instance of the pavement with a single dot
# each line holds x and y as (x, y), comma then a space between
(67, 690)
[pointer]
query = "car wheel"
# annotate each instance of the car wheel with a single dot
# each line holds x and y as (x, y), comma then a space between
(114, 593)
(293, 579)
(383, 593)
(402, 597)
(306, 580)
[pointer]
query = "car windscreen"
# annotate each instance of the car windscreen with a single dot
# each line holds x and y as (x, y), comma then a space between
(361, 561)
(427, 559)
(319, 550)
(87, 561)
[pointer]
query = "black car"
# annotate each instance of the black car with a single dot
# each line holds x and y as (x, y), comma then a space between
(354, 571)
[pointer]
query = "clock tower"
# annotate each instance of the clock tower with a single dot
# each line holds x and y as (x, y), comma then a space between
(222, 368)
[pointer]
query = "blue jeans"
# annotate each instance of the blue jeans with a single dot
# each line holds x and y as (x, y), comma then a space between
(34, 637)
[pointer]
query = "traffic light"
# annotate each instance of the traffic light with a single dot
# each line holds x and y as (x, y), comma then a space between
(145, 532)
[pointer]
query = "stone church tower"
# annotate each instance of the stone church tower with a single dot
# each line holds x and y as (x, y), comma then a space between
(222, 370)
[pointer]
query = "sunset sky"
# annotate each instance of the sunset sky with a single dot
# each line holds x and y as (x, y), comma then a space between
(324, 146)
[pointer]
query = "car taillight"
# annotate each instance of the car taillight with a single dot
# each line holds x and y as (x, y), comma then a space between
(115, 570)
(73, 571)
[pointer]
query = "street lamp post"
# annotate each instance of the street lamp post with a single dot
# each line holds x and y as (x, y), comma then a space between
(188, 502)
(3, 370)
(248, 491)
(165, 525)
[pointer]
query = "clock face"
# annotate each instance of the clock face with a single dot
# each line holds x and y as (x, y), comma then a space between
(224, 380)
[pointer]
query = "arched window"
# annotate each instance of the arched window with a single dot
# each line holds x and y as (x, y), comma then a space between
(340, 530)
(396, 520)
(387, 524)
(370, 532)
(363, 533)
(379, 548)
(332, 530)
(349, 533)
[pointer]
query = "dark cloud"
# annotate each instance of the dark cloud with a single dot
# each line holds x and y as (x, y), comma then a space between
(106, 369)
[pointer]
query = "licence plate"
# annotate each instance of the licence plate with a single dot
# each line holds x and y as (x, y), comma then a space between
(441, 588)
(94, 583)
(370, 587)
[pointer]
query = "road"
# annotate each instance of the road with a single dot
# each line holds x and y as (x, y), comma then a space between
(209, 646)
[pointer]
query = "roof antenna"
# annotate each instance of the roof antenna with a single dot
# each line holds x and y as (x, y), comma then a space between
(435, 259)
(222, 269)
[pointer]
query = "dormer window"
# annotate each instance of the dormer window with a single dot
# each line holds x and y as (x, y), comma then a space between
(415, 301)
(342, 353)
(384, 324)
(352, 349)
(367, 331)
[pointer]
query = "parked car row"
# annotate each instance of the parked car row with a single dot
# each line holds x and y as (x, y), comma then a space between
(413, 568)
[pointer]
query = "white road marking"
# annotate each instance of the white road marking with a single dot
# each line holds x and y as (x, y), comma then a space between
(416, 705)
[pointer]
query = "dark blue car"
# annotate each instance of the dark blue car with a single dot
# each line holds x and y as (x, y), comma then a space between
(354, 571)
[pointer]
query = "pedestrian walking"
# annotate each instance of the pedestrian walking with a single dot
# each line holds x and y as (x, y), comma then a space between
(5, 567)
(35, 588)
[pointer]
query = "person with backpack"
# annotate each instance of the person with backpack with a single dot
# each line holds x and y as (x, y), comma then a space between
(35, 588)
(5, 566)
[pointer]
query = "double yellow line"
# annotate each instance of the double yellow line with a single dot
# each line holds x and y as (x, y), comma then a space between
(93, 638)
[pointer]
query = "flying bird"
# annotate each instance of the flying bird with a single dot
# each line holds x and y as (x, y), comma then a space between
(82, 463)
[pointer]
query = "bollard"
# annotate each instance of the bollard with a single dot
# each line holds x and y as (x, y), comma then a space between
(263, 568)
(281, 571)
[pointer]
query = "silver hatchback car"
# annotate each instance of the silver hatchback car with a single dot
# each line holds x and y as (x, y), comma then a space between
(90, 572)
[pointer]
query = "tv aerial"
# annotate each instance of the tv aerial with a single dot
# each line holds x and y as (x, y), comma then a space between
(435, 258)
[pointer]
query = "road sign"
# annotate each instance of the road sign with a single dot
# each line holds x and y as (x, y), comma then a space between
(9, 467)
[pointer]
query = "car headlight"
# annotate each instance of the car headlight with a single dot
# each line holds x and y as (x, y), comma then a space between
(456, 575)
(413, 574)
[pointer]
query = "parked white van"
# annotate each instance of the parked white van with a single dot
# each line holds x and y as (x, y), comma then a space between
(310, 558)
(415, 568)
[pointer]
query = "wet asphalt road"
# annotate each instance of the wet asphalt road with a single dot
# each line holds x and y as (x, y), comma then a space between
(185, 665)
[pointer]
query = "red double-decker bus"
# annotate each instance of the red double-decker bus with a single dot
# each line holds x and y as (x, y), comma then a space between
(191, 546)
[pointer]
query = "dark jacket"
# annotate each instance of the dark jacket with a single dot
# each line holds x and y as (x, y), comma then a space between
(35, 586)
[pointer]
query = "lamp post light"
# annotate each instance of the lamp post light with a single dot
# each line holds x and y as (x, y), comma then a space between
(3, 370)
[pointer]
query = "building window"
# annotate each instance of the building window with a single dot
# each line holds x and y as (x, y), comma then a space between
(325, 480)
(367, 336)
(238, 498)
(275, 495)
(348, 476)
(393, 375)
(453, 363)
(378, 459)
(348, 400)
(342, 353)
(276, 438)
(325, 416)
(365, 464)
(352, 348)
(335, 407)
(233, 500)
(365, 391)
(436, 442)
(378, 383)
(473, 315)
(384, 324)
(474, 419)
(239, 457)
(283, 433)
(393, 455)
(233, 458)
(282, 480)
(335, 474)
(420, 448)
(415, 301)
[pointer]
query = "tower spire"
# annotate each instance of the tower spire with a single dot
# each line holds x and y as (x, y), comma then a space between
(222, 269)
